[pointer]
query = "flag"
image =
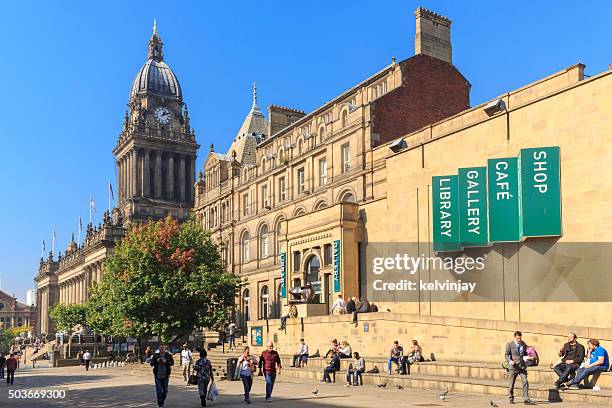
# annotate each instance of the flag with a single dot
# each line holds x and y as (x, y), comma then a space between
(80, 225)
(110, 190)
(53, 236)
(92, 204)
(43, 246)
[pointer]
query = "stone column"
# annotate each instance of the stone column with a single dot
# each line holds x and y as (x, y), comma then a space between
(146, 174)
(191, 186)
(128, 176)
(125, 177)
(158, 175)
(181, 178)
(170, 182)
(135, 174)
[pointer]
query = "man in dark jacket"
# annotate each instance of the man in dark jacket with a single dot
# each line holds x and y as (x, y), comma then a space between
(333, 367)
(362, 307)
(572, 356)
(162, 363)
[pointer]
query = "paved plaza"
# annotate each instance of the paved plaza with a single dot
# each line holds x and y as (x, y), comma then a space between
(127, 387)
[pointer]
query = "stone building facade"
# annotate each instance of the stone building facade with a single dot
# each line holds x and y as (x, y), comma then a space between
(155, 156)
(16, 314)
(292, 186)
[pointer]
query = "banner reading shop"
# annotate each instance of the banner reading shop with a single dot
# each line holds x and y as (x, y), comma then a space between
(473, 220)
(541, 191)
(445, 201)
(283, 282)
(336, 254)
(505, 222)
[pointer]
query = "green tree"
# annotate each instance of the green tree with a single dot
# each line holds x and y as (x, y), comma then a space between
(6, 340)
(69, 318)
(165, 279)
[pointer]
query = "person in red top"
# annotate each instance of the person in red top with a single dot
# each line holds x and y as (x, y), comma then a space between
(271, 365)
(11, 366)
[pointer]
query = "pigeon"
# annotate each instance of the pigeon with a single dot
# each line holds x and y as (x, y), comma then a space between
(494, 405)
(383, 385)
(399, 387)
(315, 392)
(443, 394)
(388, 310)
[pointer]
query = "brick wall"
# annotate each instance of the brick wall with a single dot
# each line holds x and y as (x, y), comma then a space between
(431, 90)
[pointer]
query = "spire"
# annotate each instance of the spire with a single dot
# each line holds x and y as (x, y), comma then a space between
(255, 106)
(155, 45)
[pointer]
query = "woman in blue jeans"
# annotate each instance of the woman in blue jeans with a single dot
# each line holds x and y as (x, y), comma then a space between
(204, 371)
(247, 364)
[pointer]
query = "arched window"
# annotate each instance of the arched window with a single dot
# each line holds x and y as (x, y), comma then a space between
(245, 305)
(263, 165)
(277, 233)
(347, 197)
(226, 254)
(300, 146)
(244, 244)
(264, 302)
(245, 175)
(344, 120)
(264, 242)
(321, 135)
(313, 278)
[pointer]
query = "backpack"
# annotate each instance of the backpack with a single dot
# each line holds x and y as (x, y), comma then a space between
(531, 352)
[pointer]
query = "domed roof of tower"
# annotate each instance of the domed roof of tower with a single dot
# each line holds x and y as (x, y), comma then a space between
(155, 76)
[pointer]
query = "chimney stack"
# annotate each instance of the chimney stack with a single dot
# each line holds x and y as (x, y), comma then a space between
(433, 35)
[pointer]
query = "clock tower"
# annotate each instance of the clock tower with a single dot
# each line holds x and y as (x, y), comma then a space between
(156, 150)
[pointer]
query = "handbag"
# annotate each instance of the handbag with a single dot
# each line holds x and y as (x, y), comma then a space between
(213, 392)
(192, 380)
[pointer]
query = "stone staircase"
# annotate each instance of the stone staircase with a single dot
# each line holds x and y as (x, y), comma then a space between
(472, 378)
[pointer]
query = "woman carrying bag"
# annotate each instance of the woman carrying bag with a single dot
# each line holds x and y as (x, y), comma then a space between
(247, 365)
(204, 371)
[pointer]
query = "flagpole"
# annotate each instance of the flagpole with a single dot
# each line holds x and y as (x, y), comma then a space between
(90, 198)
(53, 242)
(109, 195)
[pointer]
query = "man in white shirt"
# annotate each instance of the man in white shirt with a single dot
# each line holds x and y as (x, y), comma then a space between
(87, 359)
(232, 335)
(186, 361)
(339, 306)
(302, 355)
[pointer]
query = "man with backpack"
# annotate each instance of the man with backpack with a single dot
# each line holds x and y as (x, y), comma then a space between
(515, 355)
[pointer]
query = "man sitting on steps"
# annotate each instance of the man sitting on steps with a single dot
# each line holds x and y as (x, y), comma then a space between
(301, 356)
(572, 356)
(598, 363)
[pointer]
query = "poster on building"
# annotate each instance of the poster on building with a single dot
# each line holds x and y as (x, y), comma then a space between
(541, 191)
(473, 217)
(445, 213)
(337, 254)
(283, 281)
(505, 223)
(257, 336)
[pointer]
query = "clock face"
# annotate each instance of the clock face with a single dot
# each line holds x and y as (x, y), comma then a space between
(162, 115)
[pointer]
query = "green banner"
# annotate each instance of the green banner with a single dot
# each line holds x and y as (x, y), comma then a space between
(445, 213)
(473, 218)
(541, 191)
(505, 224)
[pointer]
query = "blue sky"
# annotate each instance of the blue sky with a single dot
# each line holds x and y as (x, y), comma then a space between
(66, 71)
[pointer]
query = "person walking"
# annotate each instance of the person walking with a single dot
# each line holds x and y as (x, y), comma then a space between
(162, 363)
(148, 355)
(515, 354)
(204, 371)
(11, 366)
(271, 365)
(232, 328)
(2, 363)
(87, 359)
(245, 368)
(186, 361)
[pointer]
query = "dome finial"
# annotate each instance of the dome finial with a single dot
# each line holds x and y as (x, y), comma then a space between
(155, 44)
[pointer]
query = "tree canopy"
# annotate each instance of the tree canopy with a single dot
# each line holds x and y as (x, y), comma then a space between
(163, 278)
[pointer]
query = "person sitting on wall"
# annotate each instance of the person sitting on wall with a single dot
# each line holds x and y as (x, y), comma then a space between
(572, 355)
(301, 357)
(292, 313)
(334, 366)
(333, 349)
(351, 307)
(362, 307)
(345, 350)
(356, 368)
(414, 356)
(598, 363)
(395, 356)
(339, 306)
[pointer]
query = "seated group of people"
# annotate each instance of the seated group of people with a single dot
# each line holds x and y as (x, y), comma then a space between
(403, 361)
(354, 306)
(353, 371)
(575, 362)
